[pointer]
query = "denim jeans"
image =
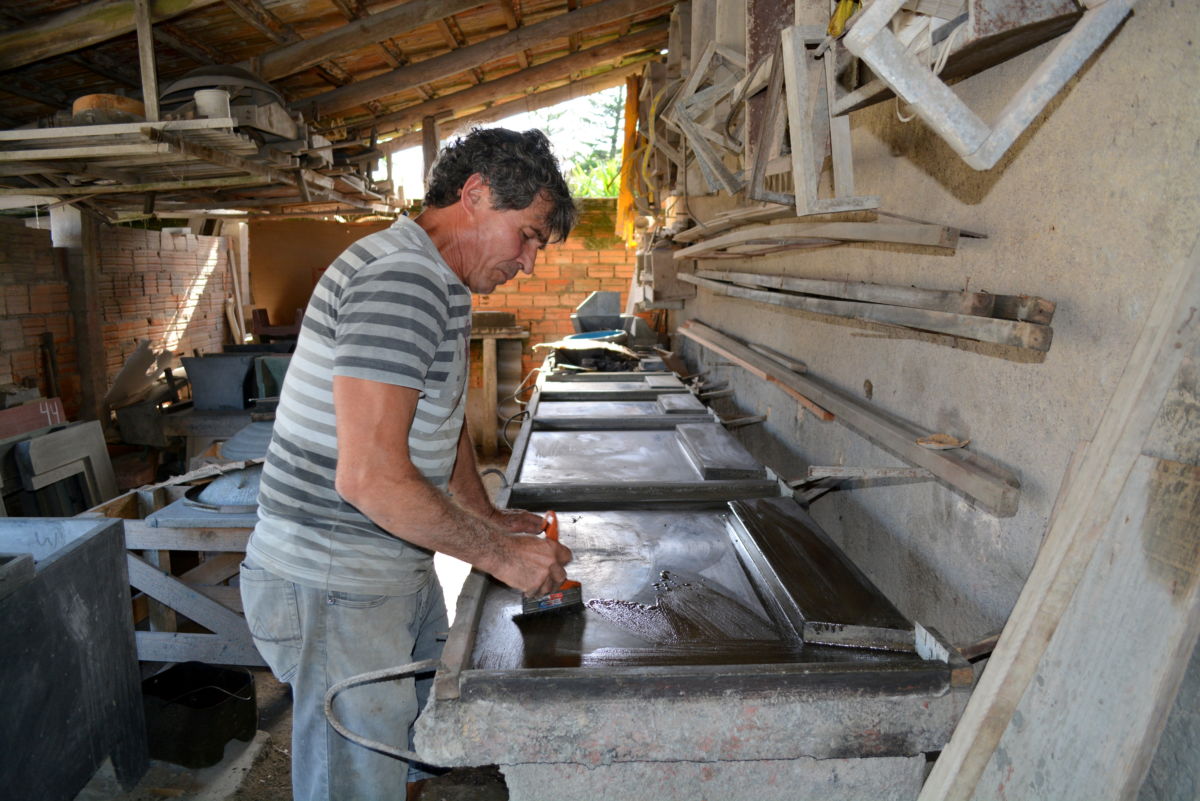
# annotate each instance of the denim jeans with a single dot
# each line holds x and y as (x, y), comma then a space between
(312, 639)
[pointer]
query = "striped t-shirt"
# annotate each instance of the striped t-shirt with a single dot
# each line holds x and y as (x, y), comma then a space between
(389, 309)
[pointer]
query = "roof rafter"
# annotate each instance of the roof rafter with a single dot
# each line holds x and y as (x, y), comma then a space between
(79, 27)
(464, 58)
(531, 102)
(360, 33)
(648, 39)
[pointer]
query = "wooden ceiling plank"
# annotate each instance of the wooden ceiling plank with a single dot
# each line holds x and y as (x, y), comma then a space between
(465, 58)
(525, 79)
(79, 27)
(531, 102)
(261, 19)
(358, 34)
(512, 21)
(353, 9)
(94, 61)
(120, 189)
(575, 41)
(179, 41)
(454, 39)
(36, 91)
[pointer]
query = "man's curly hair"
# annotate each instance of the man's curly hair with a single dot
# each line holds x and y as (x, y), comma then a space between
(518, 166)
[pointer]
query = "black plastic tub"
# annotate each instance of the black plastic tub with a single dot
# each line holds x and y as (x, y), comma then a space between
(221, 381)
(194, 709)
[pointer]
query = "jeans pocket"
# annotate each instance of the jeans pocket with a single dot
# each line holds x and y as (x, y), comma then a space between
(351, 600)
(273, 616)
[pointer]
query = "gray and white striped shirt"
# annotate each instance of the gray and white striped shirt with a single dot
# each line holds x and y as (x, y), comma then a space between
(389, 309)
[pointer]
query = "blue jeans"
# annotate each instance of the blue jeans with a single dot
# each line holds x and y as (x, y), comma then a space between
(314, 638)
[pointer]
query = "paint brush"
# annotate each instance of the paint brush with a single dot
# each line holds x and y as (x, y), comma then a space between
(566, 598)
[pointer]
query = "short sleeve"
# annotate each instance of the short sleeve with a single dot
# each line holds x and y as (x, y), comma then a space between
(392, 316)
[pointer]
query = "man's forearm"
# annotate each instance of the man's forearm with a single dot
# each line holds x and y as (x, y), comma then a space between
(465, 484)
(427, 517)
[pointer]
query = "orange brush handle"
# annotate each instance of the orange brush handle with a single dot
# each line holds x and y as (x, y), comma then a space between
(550, 528)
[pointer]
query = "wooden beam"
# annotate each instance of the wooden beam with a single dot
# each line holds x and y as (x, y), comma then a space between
(179, 41)
(429, 143)
(1169, 337)
(80, 27)
(261, 19)
(984, 329)
(83, 270)
(145, 38)
(522, 80)
(454, 39)
(185, 148)
(996, 490)
(977, 303)
(121, 189)
(465, 58)
(36, 91)
(94, 60)
(1142, 583)
(357, 34)
(512, 21)
(936, 236)
(533, 102)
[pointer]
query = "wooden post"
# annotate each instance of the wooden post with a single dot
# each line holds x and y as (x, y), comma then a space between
(429, 142)
(145, 36)
(83, 265)
(489, 397)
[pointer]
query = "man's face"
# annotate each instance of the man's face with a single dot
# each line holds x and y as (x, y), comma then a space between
(504, 243)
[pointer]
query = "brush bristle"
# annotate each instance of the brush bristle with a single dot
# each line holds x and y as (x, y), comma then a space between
(557, 601)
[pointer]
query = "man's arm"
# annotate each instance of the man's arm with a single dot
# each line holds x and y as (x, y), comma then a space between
(469, 491)
(376, 475)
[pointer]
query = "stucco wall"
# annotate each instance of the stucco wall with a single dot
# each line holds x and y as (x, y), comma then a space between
(1087, 209)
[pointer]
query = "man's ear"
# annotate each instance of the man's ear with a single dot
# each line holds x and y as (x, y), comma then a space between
(474, 193)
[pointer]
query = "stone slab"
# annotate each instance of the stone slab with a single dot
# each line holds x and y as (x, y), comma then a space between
(880, 779)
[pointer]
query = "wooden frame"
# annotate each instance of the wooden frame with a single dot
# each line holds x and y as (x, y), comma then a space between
(993, 488)
(980, 145)
(785, 233)
(200, 594)
(970, 326)
(799, 100)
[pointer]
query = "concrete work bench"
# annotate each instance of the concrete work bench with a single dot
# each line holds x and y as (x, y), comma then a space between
(728, 649)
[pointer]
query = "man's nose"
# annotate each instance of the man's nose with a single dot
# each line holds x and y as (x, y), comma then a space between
(528, 257)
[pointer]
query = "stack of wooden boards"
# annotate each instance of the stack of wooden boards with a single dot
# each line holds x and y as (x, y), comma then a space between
(1018, 321)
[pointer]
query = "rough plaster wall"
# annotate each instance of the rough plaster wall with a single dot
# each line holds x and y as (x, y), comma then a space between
(1087, 209)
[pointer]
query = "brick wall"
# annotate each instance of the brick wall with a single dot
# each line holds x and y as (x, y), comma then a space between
(167, 288)
(34, 298)
(591, 259)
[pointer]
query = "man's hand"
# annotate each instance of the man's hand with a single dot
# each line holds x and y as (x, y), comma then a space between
(517, 521)
(534, 565)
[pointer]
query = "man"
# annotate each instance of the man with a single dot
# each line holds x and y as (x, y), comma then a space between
(370, 469)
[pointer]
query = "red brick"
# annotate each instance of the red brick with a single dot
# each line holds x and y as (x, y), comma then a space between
(601, 271)
(16, 300)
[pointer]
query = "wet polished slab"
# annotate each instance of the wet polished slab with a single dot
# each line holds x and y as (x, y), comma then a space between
(660, 589)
